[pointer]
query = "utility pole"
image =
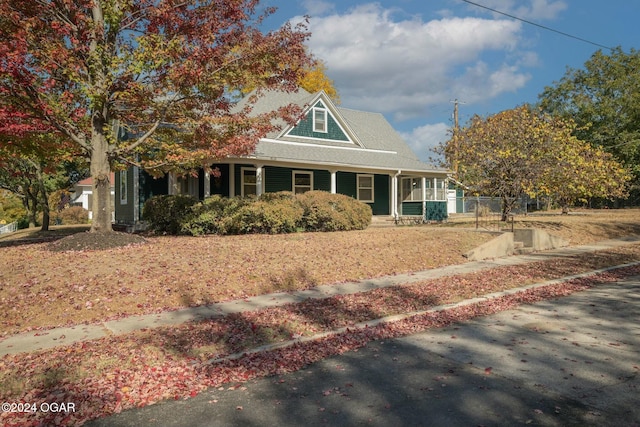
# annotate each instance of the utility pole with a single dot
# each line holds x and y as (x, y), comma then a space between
(456, 128)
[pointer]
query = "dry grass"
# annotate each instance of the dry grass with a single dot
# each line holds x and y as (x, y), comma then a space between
(42, 288)
(581, 226)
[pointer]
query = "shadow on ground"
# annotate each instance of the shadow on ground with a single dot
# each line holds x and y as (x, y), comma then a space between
(565, 362)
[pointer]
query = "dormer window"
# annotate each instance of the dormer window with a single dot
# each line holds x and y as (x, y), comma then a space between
(319, 120)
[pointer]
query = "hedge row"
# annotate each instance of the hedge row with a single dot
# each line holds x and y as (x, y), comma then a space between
(271, 213)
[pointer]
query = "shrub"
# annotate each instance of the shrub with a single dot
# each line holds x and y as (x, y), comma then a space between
(214, 215)
(166, 213)
(273, 214)
(73, 215)
(333, 212)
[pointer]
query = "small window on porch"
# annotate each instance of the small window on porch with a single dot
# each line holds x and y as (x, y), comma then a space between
(249, 182)
(411, 189)
(188, 185)
(302, 182)
(319, 120)
(365, 188)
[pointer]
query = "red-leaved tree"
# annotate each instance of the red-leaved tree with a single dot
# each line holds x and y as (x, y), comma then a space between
(166, 71)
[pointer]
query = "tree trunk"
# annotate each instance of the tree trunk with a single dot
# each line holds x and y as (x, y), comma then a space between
(45, 200)
(100, 172)
(506, 209)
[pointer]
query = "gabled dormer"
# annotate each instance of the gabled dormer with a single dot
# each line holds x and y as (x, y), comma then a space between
(322, 123)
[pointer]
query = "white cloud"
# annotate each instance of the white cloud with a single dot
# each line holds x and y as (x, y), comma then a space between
(402, 67)
(424, 139)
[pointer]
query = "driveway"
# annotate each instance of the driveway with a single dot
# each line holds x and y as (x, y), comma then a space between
(570, 361)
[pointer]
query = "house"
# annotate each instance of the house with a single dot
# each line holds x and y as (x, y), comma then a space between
(82, 194)
(331, 148)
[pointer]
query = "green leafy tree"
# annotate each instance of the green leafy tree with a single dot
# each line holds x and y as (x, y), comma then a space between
(164, 70)
(604, 100)
(524, 152)
(11, 208)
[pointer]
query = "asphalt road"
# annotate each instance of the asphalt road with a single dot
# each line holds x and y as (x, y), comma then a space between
(565, 362)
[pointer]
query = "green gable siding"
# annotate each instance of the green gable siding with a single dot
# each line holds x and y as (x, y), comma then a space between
(305, 128)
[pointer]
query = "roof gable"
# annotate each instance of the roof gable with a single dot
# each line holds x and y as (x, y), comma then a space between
(321, 123)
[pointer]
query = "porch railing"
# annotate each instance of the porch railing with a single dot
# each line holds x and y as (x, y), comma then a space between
(9, 228)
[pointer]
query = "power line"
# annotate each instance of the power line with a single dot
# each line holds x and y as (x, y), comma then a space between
(540, 26)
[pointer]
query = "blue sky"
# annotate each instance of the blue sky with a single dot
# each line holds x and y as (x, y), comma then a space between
(409, 59)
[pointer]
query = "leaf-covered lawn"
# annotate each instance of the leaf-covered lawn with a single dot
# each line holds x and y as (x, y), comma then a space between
(44, 289)
(111, 374)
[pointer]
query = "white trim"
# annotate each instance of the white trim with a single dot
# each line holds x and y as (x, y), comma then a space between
(323, 112)
(304, 144)
(358, 187)
(334, 181)
(207, 185)
(259, 180)
(301, 172)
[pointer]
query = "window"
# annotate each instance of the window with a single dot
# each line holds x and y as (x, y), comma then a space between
(249, 182)
(188, 185)
(302, 182)
(441, 189)
(411, 189)
(365, 188)
(319, 120)
(123, 188)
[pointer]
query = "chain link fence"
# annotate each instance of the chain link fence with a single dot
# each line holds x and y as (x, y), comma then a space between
(487, 211)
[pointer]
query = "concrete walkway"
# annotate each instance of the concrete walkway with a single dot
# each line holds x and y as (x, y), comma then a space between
(37, 340)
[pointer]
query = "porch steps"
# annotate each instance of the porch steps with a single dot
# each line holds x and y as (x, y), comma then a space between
(382, 221)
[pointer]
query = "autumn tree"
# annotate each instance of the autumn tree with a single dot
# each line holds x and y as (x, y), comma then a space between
(603, 98)
(161, 72)
(315, 79)
(524, 152)
(32, 163)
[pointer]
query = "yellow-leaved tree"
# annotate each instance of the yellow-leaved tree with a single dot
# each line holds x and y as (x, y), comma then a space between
(525, 152)
(315, 78)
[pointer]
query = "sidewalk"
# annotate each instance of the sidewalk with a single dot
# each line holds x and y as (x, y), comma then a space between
(37, 340)
(570, 361)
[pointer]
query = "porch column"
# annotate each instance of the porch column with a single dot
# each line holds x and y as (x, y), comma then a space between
(435, 188)
(232, 180)
(394, 194)
(258, 180)
(334, 182)
(424, 197)
(207, 184)
(172, 184)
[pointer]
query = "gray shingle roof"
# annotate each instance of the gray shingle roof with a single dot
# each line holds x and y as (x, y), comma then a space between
(378, 145)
